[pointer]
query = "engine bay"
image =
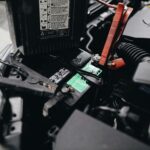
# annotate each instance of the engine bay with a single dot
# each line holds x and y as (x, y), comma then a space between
(94, 95)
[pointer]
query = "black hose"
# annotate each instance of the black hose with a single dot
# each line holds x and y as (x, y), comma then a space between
(132, 54)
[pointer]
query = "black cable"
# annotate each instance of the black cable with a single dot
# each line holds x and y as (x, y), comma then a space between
(78, 70)
(83, 72)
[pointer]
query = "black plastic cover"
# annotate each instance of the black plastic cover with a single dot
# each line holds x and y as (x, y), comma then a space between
(81, 132)
(137, 30)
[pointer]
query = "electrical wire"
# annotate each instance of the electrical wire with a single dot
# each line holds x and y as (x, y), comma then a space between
(107, 4)
(83, 72)
(78, 70)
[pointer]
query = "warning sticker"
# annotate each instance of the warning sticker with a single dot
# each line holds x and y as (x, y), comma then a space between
(78, 83)
(92, 69)
(54, 14)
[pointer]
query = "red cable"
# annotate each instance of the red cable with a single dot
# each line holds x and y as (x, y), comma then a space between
(124, 22)
(119, 63)
(112, 33)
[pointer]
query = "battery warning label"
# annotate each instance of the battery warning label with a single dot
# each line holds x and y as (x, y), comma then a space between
(54, 15)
